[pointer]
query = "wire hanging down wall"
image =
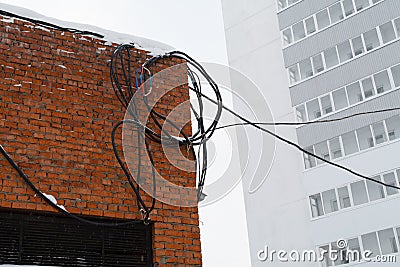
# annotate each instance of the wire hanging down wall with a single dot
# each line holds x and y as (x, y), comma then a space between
(127, 82)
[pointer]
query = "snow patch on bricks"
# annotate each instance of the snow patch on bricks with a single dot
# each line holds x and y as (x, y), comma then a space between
(53, 200)
(153, 47)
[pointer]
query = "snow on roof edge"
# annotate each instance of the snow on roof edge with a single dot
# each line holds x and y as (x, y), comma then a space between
(153, 47)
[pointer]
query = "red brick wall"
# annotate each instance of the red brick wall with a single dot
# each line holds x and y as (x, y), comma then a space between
(57, 112)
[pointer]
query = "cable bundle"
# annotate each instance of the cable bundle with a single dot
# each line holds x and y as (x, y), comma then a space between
(126, 85)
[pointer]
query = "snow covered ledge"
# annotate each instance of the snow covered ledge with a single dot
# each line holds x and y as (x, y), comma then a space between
(153, 47)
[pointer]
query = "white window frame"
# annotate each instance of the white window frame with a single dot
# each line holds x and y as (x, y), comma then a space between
(322, 205)
(386, 131)
(283, 36)
(391, 79)
(304, 29)
(373, 87)
(315, 25)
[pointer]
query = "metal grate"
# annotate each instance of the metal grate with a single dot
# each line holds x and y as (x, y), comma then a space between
(49, 239)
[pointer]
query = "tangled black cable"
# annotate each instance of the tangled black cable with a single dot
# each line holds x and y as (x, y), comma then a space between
(126, 85)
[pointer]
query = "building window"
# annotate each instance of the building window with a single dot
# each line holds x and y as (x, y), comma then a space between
(348, 7)
(344, 197)
(375, 190)
(371, 39)
(321, 149)
(379, 133)
(393, 127)
(323, 19)
(349, 143)
(318, 63)
(358, 46)
(354, 245)
(365, 139)
(282, 4)
(345, 52)
(382, 82)
(359, 193)
(370, 242)
(325, 251)
(397, 26)
(336, 149)
(313, 109)
(301, 113)
(336, 12)
(354, 93)
(387, 241)
(390, 179)
(298, 31)
(306, 69)
(294, 74)
(331, 57)
(340, 99)
(341, 254)
(361, 4)
(396, 75)
(326, 104)
(316, 205)
(387, 32)
(368, 87)
(309, 161)
(291, 2)
(287, 36)
(310, 25)
(330, 201)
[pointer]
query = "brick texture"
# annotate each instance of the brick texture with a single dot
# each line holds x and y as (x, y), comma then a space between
(57, 113)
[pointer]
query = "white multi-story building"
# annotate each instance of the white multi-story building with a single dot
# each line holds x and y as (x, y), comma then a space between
(313, 60)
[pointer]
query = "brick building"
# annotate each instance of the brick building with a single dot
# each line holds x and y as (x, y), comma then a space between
(57, 113)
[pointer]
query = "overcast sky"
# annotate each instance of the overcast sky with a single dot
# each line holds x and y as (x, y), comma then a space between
(195, 27)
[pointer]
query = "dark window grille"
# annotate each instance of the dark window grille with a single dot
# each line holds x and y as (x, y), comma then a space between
(49, 239)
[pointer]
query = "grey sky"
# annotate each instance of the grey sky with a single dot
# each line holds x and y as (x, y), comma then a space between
(195, 27)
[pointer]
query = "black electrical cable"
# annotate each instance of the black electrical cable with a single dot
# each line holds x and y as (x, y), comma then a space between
(50, 25)
(248, 122)
(311, 122)
(58, 208)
